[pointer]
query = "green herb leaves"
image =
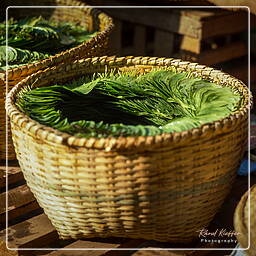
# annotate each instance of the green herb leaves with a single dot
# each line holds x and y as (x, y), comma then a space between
(126, 104)
(16, 55)
(35, 38)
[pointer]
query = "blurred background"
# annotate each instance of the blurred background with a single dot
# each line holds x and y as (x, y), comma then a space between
(214, 37)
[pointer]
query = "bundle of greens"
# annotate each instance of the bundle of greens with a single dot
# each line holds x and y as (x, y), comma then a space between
(128, 104)
(35, 38)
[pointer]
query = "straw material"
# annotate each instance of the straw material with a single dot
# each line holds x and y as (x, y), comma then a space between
(241, 221)
(164, 187)
(91, 18)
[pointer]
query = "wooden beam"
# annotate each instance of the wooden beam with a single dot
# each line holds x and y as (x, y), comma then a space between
(14, 175)
(231, 23)
(169, 252)
(193, 23)
(191, 44)
(164, 19)
(110, 243)
(225, 53)
(35, 232)
(20, 202)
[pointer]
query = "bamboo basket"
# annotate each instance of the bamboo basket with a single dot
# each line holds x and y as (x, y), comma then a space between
(97, 46)
(164, 187)
(241, 221)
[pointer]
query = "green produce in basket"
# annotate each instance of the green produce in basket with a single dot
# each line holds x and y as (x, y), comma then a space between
(35, 38)
(128, 104)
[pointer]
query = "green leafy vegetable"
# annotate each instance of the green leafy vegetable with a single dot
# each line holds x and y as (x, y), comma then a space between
(16, 55)
(35, 38)
(127, 104)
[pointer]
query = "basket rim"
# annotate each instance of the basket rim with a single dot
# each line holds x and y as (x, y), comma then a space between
(61, 56)
(116, 143)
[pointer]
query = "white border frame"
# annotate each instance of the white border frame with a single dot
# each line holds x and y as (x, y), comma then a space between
(249, 121)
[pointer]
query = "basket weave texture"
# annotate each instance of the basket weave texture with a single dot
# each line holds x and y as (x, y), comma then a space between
(241, 221)
(164, 187)
(91, 18)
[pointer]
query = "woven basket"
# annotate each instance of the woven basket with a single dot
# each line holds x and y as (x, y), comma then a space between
(241, 221)
(163, 187)
(97, 46)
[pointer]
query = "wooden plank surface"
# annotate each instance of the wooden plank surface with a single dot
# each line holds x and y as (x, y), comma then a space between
(157, 252)
(84, 244)
(169, 253)
(178, 253)
(218, 56)
(191, 44)
(14, 175)
(231, 23)
(194, 23)
(5, 252)
(34, 232)
(225, 53)
(164, 19)
(101, 245)
(155, 249)
(20, 202)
